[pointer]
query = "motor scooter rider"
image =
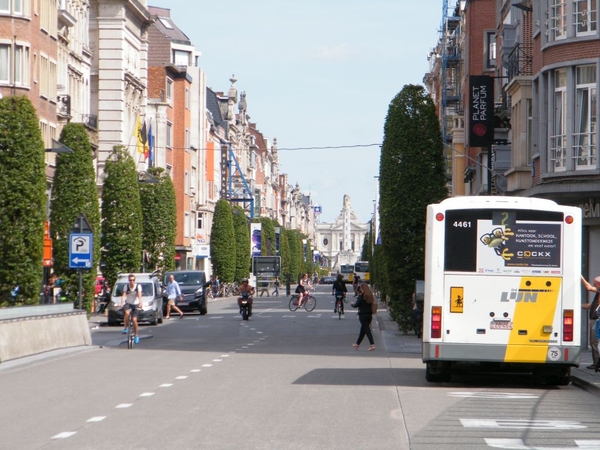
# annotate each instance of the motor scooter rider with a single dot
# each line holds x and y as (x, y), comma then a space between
(246, 291)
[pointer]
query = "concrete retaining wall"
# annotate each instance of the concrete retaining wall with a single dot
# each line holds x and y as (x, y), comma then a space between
(30, 330)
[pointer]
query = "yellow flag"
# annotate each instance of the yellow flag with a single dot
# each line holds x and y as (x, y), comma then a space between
(137, 133)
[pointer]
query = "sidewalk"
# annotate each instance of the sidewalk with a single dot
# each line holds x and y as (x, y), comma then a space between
(396, 341)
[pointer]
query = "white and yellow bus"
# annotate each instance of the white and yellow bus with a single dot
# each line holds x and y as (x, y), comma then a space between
(502, 287)
(346, 271)
(361, 270)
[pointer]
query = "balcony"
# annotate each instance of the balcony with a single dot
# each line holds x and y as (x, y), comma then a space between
(519, 61)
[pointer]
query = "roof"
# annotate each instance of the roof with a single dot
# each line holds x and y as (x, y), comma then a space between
(212, 105)
(166, 25)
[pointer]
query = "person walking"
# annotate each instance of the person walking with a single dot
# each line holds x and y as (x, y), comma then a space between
(276, 286)
(173, 291)
(364, 303)
(593, 315)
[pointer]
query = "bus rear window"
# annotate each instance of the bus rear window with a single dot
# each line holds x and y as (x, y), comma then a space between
(502, 241)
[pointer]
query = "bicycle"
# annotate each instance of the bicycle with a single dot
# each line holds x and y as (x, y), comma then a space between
(130, 335)
(339, 306)
(309, 304)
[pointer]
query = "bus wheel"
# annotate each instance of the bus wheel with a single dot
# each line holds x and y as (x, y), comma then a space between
(437, 373)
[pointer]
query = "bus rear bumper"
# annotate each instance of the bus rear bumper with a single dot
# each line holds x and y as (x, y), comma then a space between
(513, 354)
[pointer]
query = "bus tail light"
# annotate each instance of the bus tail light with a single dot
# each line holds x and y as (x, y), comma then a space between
(568, 325)
(436, 322)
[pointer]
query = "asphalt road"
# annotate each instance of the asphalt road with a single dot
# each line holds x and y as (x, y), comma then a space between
(282, 380)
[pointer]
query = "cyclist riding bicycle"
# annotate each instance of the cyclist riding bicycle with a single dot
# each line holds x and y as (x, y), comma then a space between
(302, 289)
(246, 291)
(131, 302)
(339, 289)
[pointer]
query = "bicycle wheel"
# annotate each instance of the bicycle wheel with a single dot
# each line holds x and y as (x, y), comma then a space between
(310, 303)
(339, 309)
(294, 303)
(130, 335)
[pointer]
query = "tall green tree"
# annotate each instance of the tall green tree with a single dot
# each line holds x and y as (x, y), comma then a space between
(74, 192)
(295, 255)
(159, 213)
(222, 242)
(23, 200)
(412, 175)
(309, 263)
(285, 254)
(121, 216)
(242, 241)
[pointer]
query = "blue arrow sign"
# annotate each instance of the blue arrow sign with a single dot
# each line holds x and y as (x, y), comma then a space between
(81, 249)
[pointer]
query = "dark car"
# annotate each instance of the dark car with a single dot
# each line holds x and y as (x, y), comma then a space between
(327, 280)
(193, 288)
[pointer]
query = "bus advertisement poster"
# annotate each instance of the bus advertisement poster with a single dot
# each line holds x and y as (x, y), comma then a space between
(526, 245)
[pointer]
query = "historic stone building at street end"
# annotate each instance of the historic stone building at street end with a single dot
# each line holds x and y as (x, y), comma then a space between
(341, 242)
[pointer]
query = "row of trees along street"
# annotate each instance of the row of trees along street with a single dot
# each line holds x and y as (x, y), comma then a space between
(135, 217)
(412, 174)
(230, 245)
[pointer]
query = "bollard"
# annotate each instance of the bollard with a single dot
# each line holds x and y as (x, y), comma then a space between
(287, 288)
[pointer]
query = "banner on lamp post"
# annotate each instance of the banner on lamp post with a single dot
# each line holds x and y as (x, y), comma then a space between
(481, 111)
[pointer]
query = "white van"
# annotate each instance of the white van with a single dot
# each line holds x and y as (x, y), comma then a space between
(151, 299)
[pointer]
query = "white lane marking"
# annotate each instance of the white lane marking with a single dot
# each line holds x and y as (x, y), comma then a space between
(195, 370)
(217, 360)
(215, 317)
(493, 395)
(206, 365)
(259, 332)
(166, 385)
(250, 344)
(96, 419)
(181, 377)
(64, 434)
(146, 394)
(123, 406)
(252, 329)
(517, 444)
(288, 316)
(224, 356)
(522, 424)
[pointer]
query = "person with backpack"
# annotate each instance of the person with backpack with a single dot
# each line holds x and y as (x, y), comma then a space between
(339, 288)
(365, 302)
(131, 302)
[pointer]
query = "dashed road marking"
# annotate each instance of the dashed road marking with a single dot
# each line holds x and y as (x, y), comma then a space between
(64, 435)
(123, 406)
(96, 419)
(146, 394)
(166, 385)
(181, 377)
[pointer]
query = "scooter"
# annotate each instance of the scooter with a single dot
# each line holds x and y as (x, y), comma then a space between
(245, 307)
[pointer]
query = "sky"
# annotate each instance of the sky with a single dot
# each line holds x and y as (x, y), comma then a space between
(319, 76)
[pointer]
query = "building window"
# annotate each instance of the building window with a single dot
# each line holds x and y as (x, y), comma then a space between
(21, 65)
(16, 7)
(558, 138)
(584, 137)
(186, 181)
(4, 63)
(187, 139)
(181, 58)
(557, 20)
(186, 224)
(49, 16)
(169, 134)
(529, 131)
(200, 221)
(490, 50)
(584, 16)
(169, 90)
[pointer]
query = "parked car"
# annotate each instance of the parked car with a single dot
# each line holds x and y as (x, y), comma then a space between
(327, 280)
(193, 287)
(151, 298)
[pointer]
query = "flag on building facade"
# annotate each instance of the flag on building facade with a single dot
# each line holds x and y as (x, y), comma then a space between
(151, 145)
(142, 138)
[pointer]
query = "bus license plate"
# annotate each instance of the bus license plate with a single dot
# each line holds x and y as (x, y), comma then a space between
(501, 325)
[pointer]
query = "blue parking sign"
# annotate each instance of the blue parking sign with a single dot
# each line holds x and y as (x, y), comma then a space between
(81, 250)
